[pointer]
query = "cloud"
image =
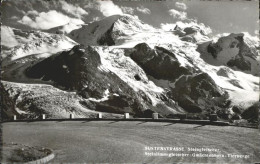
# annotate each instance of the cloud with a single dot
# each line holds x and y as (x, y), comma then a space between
(108, 8)
(32, 12)
(8, 37)
(143, 10)
(14, 17)
(181, 5)
(178, 14)
(168, 26)
(73, 10)
(127, 10)
(255, 38)
(47, 20)
(184, 21)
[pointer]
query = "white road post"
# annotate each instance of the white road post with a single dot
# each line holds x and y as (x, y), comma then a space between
(99, 116)
(71, 116)
(126, 116)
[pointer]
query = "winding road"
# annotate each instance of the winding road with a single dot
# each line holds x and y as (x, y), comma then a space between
(125, 141)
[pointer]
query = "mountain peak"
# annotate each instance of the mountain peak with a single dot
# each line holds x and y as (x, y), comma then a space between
(191, 33)
(108, 30)
(237, 51)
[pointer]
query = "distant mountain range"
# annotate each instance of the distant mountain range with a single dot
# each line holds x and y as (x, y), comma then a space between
(120, 64)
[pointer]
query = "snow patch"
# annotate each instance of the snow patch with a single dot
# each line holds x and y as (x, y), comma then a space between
(104, 98)
(124, 67)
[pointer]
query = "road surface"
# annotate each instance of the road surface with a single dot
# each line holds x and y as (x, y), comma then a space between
(126, 141)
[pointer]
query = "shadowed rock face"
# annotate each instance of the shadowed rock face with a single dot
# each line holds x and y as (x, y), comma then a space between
(78, 69)
(107, 38)
(240, 62)
(70, 69)
(198, 93)
(239, 53)
(214, 49)
(180, 33)
(158, 62)
(190, 30)
(188, 39)
(7, 104)
(252, 113)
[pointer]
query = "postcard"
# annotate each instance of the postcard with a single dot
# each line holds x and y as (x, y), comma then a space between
(123, 81)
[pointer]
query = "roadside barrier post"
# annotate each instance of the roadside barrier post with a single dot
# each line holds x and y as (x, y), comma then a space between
(155, 115)
(126, 116)
(14, 117)
(71, 116)
(99, 115)
(213, 117)
(183, 117)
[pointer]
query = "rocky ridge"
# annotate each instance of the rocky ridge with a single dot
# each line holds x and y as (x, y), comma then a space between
(119, 68)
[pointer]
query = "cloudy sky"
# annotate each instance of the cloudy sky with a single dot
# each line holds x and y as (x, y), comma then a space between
(214, 16)
(220, 16)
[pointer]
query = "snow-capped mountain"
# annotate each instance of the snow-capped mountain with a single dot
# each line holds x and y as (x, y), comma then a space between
(237, 51)
(22, 48)
(19, 44)
(124, 65)
(191, 34)
(109, 31)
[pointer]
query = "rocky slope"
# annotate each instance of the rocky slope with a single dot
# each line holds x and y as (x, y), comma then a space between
(7, 104)
(198, 93)
(236, 51)
(18, 43)
(22, 48)
(156, 61)
(124, 65)
(191, 34)
(30, 101)
(81, 70)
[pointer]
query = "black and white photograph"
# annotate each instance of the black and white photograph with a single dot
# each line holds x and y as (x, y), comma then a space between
(129, 81)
